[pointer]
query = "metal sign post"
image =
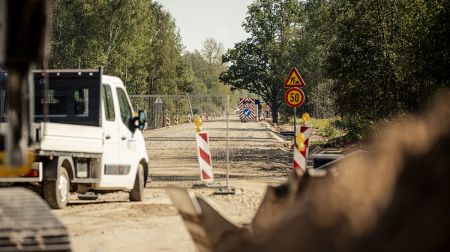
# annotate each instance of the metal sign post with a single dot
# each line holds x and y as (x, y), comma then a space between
(295, 126)
(228, 139)
(294, 97)
(227, 189)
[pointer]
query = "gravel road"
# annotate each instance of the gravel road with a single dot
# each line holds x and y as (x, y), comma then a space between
(112, 223)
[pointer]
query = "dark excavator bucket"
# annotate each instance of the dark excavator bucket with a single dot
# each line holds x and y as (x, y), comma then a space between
(209, 229)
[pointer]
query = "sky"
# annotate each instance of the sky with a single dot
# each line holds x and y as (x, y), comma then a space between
(198, 20)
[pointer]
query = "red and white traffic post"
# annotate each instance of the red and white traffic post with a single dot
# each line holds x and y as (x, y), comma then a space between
(295, 97)
(203, 152)
(167, 120)
(301, 149)
(306, 130)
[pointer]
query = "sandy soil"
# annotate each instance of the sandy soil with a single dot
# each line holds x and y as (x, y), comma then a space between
(112, 223)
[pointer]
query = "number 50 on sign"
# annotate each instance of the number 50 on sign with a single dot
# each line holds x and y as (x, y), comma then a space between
(294, 97)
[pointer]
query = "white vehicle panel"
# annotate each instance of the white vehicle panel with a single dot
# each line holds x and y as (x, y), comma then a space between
(70, 138)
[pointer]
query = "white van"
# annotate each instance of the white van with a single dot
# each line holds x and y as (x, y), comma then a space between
(87, 139)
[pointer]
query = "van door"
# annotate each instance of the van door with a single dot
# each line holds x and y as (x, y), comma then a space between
(111, 140)
(127, 147)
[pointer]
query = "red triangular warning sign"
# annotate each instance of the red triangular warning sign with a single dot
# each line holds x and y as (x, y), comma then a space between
(294, 79)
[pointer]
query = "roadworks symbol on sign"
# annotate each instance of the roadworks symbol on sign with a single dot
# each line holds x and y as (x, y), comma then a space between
(294, 79)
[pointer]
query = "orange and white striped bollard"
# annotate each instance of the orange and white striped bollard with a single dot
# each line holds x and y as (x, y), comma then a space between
(301, 151)
(167, 120)
(203, 153)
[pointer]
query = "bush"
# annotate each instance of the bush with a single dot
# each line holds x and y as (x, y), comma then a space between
(330, 131)
(356, 126)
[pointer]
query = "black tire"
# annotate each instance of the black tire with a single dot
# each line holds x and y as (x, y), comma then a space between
(56, 192)
(137, 193)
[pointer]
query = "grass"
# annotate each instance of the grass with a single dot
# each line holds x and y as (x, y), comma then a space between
(333, 132)
(327, 128)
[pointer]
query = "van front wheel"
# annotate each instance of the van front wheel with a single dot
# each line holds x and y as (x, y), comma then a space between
(137, 193)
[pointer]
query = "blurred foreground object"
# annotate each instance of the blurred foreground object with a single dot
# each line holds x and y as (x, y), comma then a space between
(23, 40)
(26, 223)
(394, 198)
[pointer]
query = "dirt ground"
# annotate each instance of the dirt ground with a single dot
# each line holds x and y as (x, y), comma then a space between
(112, 223)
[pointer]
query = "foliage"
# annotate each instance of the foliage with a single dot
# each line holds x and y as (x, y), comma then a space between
(82, 39)
(136, 40)
(364, 60)
(260, 63)
(378, 62)
(330, 132)
(325, 127)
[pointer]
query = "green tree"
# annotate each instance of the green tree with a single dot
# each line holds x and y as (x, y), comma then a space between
(315, 46)
(423, 50)
(260, 63)
(82, 39)
(136, 40)
(212, 51)
(388, 57)
(200, 70)
(365, 82)
(207, 66)
(166, 67)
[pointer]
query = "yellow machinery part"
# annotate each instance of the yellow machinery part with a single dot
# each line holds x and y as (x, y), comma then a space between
(14, 171)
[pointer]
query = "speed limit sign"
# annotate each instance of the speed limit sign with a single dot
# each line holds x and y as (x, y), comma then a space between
(294, 97)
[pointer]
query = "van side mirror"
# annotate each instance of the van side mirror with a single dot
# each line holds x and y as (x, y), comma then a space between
(139, 121)
(142, 118)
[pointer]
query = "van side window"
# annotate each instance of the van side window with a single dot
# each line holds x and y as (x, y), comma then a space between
(125, 110)
(108, 103)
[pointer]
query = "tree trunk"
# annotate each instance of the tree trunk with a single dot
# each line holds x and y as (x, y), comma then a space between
(274, 108)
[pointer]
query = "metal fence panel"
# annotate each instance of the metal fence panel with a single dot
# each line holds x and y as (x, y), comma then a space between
(161, 107)
(173, 150)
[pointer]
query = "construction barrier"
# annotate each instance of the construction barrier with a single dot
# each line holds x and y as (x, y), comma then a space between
(173, 164)
(302, 149)
(299, 161)
(247, 109)
(176, 120)
(204, 157)
(307, 132)
(167, 120)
